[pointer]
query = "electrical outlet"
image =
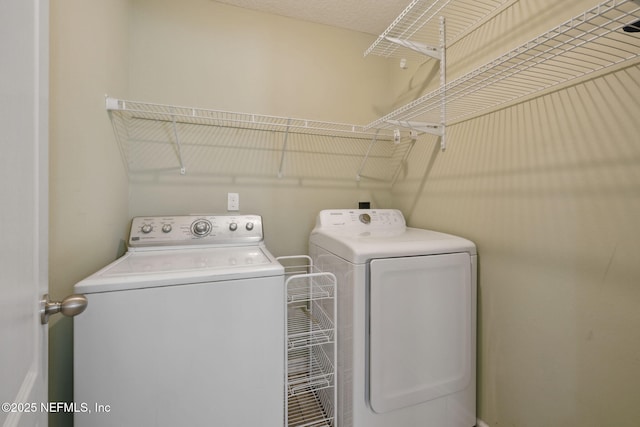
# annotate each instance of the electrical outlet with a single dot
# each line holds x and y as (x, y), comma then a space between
(233, 202)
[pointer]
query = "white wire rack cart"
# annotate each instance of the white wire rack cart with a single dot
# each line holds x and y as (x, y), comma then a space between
(310, 344)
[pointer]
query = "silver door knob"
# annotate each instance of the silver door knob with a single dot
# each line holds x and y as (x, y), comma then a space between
(70, 306)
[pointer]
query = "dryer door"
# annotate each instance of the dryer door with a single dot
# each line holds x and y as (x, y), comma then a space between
(420, 329)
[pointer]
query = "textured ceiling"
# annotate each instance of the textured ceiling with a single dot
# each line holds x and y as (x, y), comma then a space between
(368, 16)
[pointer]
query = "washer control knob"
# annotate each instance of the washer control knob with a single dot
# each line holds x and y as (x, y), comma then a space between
(233, 226)
(166, 228)
(201, 227)
(249, 226)
(146, 228)
(365, 218)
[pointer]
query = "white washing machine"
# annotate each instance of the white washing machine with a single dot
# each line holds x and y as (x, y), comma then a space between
(185, 329)
(406, 320)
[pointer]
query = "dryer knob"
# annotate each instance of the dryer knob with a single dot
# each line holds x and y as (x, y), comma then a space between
(365, 218)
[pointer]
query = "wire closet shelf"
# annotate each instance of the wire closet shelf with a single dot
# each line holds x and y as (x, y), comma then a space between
(603, 37)
(415, 30)
(136, 122)
(135, 110)
(310, 345)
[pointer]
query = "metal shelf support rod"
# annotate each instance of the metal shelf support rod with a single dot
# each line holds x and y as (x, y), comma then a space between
(424, 127)
(183, 170)
(417, 47)
(443, 85)
(366, 156)
(284, 149)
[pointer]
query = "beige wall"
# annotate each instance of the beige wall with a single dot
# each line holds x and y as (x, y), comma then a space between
(88, 186)
(548, 189)
(195, 53)
(550, 192)
(204, 54)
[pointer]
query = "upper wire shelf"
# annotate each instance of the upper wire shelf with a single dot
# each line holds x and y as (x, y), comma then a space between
(417, 25)
(154, 136)
(198, 116)
(588, 43)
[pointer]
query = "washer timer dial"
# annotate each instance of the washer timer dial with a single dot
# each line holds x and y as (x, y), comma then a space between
(201, 227)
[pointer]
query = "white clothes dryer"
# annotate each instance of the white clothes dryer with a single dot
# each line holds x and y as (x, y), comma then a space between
(185, 329)
(406, 320)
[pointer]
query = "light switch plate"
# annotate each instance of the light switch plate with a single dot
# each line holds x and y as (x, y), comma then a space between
(233, 202)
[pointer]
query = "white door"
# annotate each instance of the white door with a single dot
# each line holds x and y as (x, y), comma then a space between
(420, 329)
(24, 101)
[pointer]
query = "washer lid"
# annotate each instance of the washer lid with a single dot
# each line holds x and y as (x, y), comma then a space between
(137, 270)
(362, 247)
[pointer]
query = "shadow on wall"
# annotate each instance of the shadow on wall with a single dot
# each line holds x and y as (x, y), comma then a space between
(549, 189)
(61, 378)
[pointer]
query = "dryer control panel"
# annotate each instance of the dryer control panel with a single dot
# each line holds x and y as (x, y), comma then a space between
(195, 230)
(361, 220)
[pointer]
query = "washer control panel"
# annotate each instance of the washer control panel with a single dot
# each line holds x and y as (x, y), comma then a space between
(193, 230)
(361, 220)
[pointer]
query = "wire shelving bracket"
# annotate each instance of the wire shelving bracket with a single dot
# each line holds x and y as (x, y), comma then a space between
(433, 127)
(284, 149)
(366, 157)
(183, 170)
(594, 41)
(416, 27)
